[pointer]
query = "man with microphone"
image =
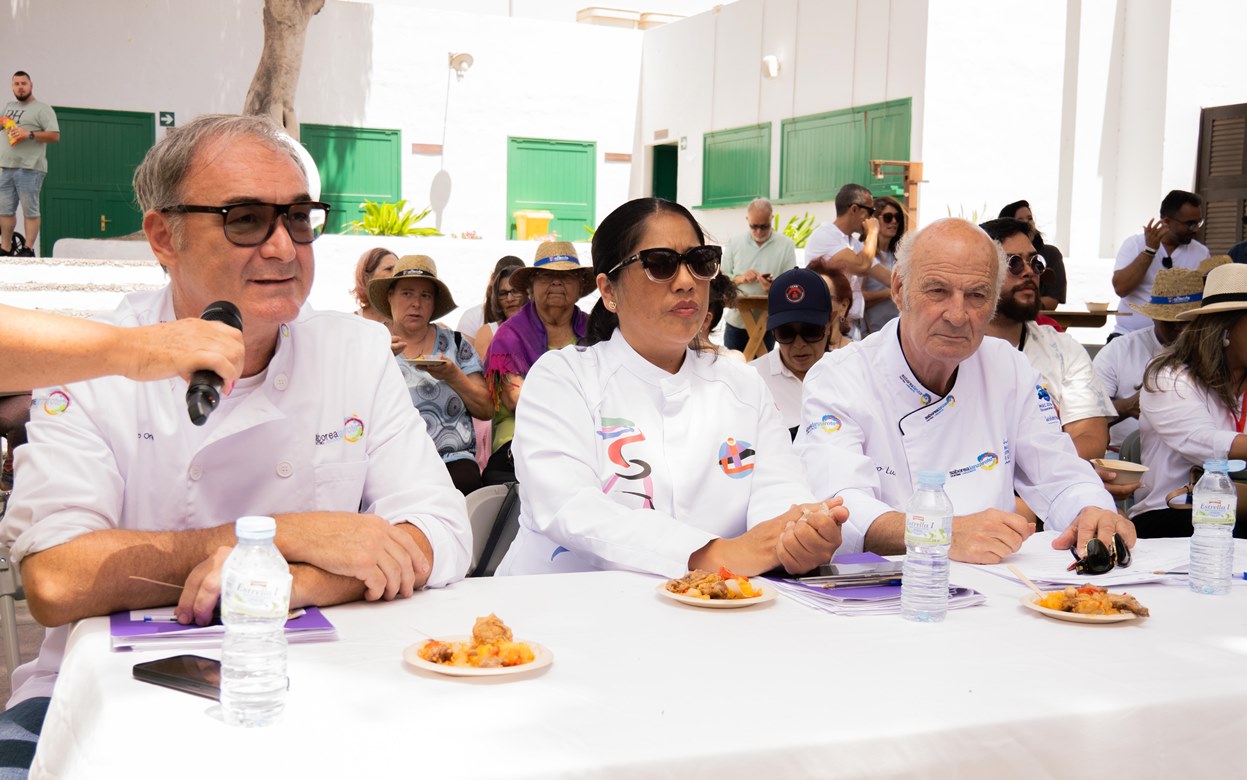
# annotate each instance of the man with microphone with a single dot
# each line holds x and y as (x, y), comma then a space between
(319, 432)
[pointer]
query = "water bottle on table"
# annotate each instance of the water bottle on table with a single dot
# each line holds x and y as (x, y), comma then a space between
(928, 535)
(255, 602)
(1214, 508)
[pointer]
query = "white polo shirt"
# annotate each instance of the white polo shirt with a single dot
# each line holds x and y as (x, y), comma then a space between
(1119, 365)
(776, 255)
(828, 240)
(1184, 256)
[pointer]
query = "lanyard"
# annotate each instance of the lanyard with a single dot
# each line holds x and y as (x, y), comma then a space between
(1241, 417)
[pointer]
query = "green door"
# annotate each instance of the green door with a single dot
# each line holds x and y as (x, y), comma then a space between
(355, 164)
(666, 170)
(88, 192)
(555, 176)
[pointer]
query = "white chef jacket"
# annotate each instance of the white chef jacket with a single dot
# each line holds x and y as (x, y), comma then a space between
(330, 428)
(1067, 373)
(869, 427)
(828, 240)
(1182, 425)
(1184, 256)
(784, 385)
(622, 465)
(1119, 365)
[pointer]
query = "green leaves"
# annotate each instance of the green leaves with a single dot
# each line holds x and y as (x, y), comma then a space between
(390, 219)
(798, 231)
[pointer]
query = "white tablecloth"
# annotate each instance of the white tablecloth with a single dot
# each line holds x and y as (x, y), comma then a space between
(642, 686)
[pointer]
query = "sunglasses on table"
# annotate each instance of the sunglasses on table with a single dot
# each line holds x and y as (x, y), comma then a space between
(251, 224)
(662, 264)
(810, 334)
(1017, 263)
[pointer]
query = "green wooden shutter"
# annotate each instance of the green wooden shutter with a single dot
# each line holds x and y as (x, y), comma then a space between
(819, 154)
(736, 166)
(355, 164)
(887, 130)
(555, 176)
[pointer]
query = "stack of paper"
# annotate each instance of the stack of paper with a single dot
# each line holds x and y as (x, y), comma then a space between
(871, 600)
(1152, 560)
(156, 627)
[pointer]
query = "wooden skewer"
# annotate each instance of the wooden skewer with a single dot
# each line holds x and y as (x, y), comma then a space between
(1027, 580)
(156, 582)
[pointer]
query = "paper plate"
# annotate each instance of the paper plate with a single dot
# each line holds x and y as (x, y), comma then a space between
(768, 594)
(541, 659)
(1075, 617)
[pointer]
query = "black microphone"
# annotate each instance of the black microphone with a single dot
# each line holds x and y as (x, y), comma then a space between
(204, 394)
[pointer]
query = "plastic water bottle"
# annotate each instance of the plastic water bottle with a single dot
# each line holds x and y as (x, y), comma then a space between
(255, 601)
(1214, 508)
(928, 535)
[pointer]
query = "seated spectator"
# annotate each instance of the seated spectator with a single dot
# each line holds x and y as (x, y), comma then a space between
(441, 369)
(751, 260)
(929, 392)
(373, 264)
(501, 303)
(478, 315)
(1121, 362)
(318, 433)
(1192, 406)
(640, 453)
(1052, 283)
(877, 291)
(799, 317)
(1081, 404)
(550, 320)
(722, 296)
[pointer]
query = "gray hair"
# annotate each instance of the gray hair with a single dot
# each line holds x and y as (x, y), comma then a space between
(905, 252)
(760, 204)
(158, 179)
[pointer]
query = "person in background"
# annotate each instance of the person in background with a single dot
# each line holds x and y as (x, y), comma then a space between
(838, 333)
(722, 296)
(24, 164)
(876, 288)
(834, 245)
(502, 301)
(1053, 284)
(441, 369)
(550, 320)
(642, 453)
(1192, 407)
(486, 312)
(799, 317)
(1165, 243)
(373, 264)
(751, 260)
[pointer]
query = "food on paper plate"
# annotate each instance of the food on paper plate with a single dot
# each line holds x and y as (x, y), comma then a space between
(1091, 600)
(700, 584)
(491, 646)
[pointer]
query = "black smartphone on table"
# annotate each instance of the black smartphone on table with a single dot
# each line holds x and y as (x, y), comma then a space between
(189, 673)
(847, 575)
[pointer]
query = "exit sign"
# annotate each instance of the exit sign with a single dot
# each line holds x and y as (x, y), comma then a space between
(167, 120)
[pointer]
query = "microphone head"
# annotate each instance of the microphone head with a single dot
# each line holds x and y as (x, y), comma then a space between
(223, 311)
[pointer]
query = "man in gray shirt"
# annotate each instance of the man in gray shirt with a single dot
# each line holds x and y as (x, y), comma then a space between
(29, 126)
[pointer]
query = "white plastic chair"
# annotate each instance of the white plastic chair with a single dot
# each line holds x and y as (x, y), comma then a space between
(483, 506)
(10, 591)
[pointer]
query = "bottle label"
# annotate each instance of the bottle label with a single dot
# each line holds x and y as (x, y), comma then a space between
(924, 530)
(1214, 510)
(257, 597)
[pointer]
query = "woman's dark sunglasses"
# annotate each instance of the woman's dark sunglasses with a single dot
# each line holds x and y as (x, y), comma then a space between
(251, 224)
(890, 217)
(810, 334)
(1017, 263)
(662, 264)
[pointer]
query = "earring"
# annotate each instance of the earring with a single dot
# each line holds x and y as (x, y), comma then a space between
(611, 305)
(1225, 339)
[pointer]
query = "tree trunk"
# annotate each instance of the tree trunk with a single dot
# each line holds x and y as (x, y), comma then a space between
(277, 76)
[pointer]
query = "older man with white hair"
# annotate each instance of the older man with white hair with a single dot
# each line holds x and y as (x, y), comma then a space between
(752, 260)
(928, 392)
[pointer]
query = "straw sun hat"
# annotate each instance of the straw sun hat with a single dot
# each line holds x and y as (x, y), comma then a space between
(555, 256)
(1174, 291)
(411, 267)
(1224, 290)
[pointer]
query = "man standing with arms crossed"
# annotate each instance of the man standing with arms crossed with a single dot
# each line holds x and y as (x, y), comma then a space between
(30, 127)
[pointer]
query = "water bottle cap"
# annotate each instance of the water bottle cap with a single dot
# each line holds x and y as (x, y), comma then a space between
(931, 478)
(253, 527)
(1220, 465)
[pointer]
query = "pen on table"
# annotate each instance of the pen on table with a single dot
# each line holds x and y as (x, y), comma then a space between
(160, 619)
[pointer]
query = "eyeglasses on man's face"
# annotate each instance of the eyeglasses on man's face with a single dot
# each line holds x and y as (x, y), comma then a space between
(1018, 263)
(251, 224)
(870, 210)
(762, 226)
(662, 264)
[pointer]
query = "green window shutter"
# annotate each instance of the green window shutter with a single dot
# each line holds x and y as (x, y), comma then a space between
(819, 154)
(555, 176)
(887, 130)
(355, 164)
(736, 166)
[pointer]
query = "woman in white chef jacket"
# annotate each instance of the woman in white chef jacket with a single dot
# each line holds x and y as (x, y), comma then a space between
(642, 454)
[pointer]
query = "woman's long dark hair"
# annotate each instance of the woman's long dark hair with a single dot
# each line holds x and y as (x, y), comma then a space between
(615, 240)
(492, 309)
(900, 219)
(1200, 349)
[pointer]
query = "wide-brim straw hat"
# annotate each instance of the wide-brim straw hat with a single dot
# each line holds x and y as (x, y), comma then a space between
(411, 267)
(1225, 289)
(555, 256)
(1209, 263)
(1174, 291)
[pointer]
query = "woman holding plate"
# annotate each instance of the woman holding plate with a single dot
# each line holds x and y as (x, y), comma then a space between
(642, 452)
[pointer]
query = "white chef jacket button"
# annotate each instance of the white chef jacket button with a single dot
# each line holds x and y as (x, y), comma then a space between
(281, 382)
(196, 472)
(285, 468)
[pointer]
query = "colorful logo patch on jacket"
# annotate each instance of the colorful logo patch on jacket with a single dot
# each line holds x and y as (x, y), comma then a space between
(924, 397)
(735, 458)
(829, 424)
(57, 402)
(353, 429)
(1047, 405)
(620, 432)
(986, 462)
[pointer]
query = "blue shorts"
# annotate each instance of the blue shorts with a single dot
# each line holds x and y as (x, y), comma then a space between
(20, 184)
